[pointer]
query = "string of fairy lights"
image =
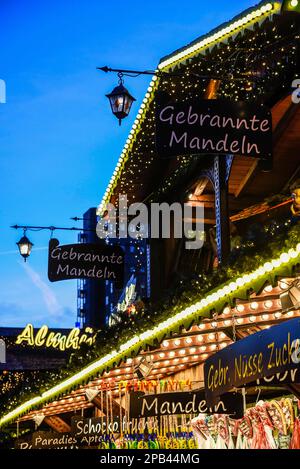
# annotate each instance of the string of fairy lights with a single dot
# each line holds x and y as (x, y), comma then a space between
(267, 59)
(184, 318)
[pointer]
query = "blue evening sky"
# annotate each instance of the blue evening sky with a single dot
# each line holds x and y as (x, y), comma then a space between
(59, 142)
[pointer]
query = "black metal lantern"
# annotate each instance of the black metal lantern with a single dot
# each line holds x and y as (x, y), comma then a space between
(25, 246)
(120, 100)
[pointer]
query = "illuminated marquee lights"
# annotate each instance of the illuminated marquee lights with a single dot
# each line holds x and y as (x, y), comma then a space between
(54, 339)
(252, 17)
(190, 313)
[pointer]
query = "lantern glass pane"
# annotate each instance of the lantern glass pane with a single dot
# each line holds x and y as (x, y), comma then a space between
(117, 103)
(127, 105)
(24, 249)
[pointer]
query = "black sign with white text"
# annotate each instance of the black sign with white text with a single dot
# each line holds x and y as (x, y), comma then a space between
(92, 261)
(211, 126)
(94, 426)
(178, 403)
(261, 355)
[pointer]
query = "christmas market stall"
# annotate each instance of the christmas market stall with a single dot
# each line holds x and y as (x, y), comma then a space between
(142, 382)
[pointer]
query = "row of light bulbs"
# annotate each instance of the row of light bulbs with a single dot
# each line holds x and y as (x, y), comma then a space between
(129, 142)
(217, 36)
(142, 339)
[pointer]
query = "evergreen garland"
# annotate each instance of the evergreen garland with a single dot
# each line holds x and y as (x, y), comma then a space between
(270, 241)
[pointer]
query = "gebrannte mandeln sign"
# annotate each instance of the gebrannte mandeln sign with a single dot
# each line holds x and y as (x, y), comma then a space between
(260, 355)
(209, 126)
(92, 261)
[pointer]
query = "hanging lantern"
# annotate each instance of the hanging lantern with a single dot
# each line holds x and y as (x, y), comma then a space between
(120, 100)
(25, 247)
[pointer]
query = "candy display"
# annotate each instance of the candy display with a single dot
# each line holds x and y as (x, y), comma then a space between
(181, 440)
(269, 425)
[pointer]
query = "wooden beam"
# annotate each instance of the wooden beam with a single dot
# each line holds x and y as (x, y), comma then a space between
(246, 178)
(204, 198)
(101, 404)
(57, 423)
(206, 221)
(212, 89)
(200, 187)
(195, 203)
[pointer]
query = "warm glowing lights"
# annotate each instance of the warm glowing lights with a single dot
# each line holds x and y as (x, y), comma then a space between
(240, 308)
(213, 347)
(268, 304)
(268, 289)
(182, 351)
(283, 285)
(203, 348)
(193, 349)
(107, 361)
(240, 320)
(265, 317)
(200, 338)
(211, 336)
(227, 322)
(226, 310)
(172, 354)
(204, 43)
(254, 305)
(189, 340)
(177, 342)
(277, 315)
(201, 326)
(162, 355)
(167, 362)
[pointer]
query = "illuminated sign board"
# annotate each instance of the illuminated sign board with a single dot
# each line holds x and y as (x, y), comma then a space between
(57, 340)
(258, 356)
(41, 348)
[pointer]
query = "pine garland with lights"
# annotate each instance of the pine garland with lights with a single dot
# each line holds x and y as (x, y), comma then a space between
(268, 59)
(277, 237)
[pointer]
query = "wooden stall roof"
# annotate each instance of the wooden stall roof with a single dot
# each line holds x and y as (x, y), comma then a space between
(186, 350)
(141, 174)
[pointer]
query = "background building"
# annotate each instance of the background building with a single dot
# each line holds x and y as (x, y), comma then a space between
(97, 301)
